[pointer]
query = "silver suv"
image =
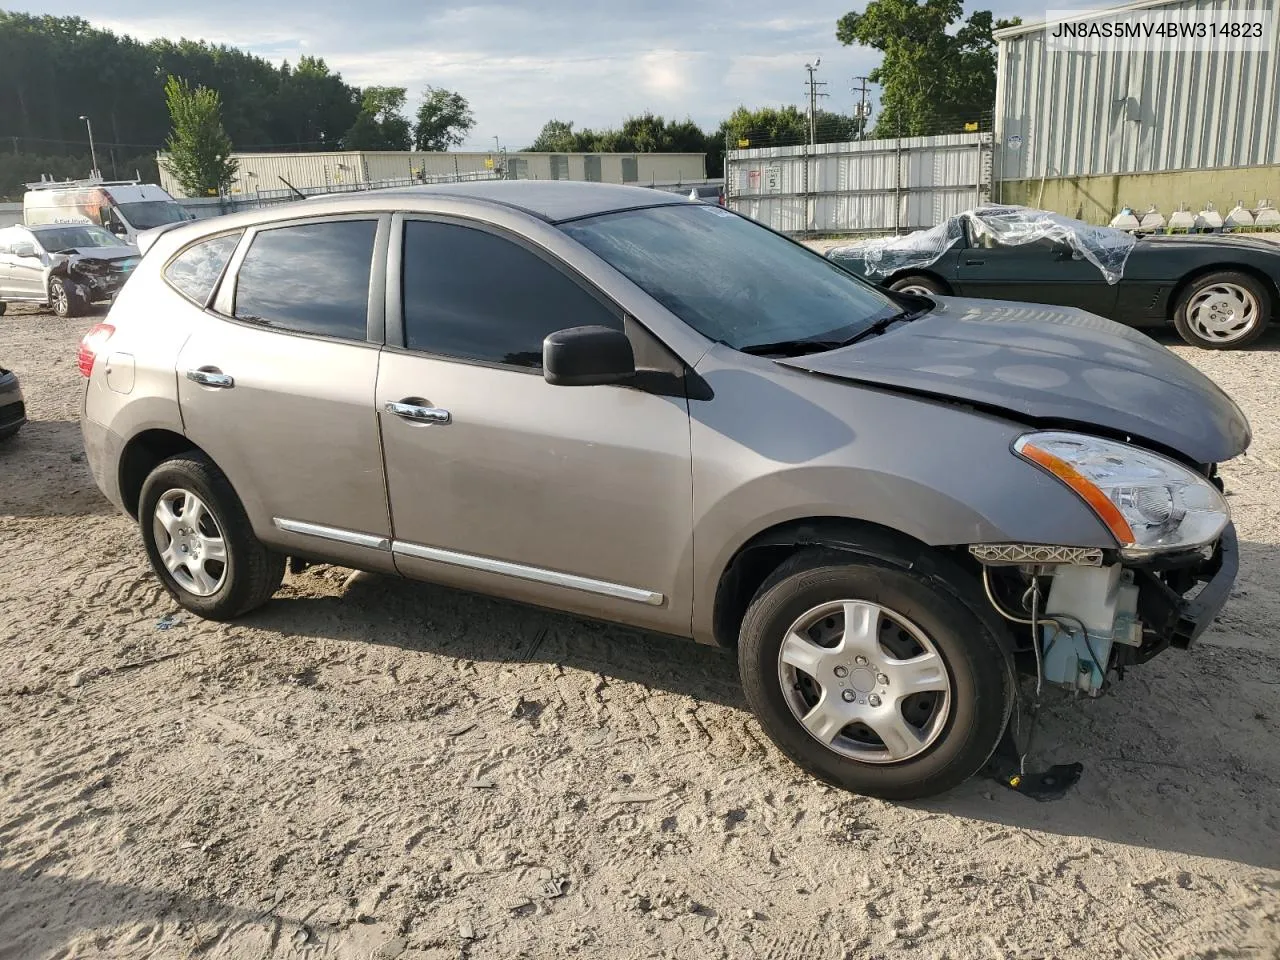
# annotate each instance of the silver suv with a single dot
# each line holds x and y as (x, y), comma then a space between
(630, 406)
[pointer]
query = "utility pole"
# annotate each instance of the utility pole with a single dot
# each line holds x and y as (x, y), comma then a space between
(862, 107)
(92, 152)
(814, 94)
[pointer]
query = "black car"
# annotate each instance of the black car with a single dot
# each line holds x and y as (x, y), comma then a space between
(1219, 291)
(13, 412)
(66, 266)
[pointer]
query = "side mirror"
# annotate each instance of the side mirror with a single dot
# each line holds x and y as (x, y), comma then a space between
(586, 356)
(24, 250)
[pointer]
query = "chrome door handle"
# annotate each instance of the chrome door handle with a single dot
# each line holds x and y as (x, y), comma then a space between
(211, 378)
(411, 411)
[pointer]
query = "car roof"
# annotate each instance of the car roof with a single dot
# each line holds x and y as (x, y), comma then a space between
(45, 227)
(555, 201)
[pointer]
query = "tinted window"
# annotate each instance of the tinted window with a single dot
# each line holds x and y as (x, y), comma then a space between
(475, 295)
(196, 269)
(312, 278)
(731, 279)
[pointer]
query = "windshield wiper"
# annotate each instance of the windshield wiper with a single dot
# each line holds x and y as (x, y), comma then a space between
(790, 348)
(884, 323)
(798, 348)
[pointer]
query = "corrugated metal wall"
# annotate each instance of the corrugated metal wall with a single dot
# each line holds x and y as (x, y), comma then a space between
(871, 186)
(1104, 111)
(262, 171)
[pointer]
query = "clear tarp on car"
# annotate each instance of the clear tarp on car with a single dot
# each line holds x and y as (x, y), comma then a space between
(1006, 225)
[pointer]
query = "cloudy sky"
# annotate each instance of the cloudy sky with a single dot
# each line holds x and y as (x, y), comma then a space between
(520, 64)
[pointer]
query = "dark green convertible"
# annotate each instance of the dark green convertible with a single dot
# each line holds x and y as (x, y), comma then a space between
(1219, 291)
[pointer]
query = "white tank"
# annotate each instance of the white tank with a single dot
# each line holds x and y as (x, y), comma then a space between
(1266, 217)
(1152, 220)
(1209, 218)
(1125, 220)
(1182, 219)
(1239, 218)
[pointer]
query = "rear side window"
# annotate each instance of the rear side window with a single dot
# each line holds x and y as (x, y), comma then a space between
(312, 278)
(196, 269)
(478, 296)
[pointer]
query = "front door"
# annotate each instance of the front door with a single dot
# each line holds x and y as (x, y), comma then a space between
(280, 392)
(1037, 272)
(27, 273)
(578, 498)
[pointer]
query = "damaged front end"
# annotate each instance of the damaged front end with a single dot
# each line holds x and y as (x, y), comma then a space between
(92, 277)
(1092, 610)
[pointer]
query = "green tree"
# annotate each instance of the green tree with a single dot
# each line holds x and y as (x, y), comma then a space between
(783, 126)
(932, 79)
(380, 124)
(558, 136)
(443, 120)
(199, 148)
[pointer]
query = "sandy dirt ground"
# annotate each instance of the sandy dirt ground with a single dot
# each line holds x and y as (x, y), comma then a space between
(372, 768)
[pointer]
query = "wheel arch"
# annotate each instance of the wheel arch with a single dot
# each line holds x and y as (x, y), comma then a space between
(1268, 284)
(142, 454)
(756, 559)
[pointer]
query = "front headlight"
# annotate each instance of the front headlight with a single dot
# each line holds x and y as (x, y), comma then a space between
(1151, 504)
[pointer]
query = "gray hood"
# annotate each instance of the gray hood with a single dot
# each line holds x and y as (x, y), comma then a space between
(1048, 365)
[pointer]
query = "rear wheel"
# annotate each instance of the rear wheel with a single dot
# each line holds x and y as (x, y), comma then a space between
(1222, 310)
(919, 284)
(65, 298)
(200, 542)
(873, 678)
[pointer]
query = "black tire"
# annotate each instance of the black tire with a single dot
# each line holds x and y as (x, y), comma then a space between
(65, 298)
(3, 307)
(252, 573)
(981, 680)
(1190, 330)
(919, 281)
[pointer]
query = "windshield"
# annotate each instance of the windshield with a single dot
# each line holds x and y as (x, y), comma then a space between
(145, 214)
(77, 235)
(731, 279)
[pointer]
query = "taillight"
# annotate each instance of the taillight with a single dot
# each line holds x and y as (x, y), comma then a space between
(93, 341)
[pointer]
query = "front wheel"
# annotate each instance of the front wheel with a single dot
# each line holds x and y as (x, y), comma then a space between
(65, 298)
(1222, 310)
(873, 678)
(200, 542)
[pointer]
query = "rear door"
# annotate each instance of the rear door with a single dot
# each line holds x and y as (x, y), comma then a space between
(276, 384)
(579, 498)
(1037, 272)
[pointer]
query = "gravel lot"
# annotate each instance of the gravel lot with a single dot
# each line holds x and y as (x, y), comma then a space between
(374, 768)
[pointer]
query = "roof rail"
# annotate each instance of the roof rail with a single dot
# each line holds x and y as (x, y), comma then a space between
(80, 184)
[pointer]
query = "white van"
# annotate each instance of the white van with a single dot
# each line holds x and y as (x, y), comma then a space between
(124, 207)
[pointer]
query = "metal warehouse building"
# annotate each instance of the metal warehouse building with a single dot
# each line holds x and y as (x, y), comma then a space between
(262, 172)
(1106, 124)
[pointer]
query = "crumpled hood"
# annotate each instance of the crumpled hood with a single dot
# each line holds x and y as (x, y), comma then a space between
(100, 253)
(1052, 365)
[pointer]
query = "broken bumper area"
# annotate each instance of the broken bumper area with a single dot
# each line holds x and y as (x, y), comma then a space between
(1180, 597)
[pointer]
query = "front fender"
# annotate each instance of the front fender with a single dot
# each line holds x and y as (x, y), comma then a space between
(776, 446)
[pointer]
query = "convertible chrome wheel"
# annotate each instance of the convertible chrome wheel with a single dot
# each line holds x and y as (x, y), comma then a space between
(1223, 312)
(189, 541)
(919, 291)
(864, 681)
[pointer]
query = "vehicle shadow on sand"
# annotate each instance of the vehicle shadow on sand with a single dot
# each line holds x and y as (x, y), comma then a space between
(1179, 756)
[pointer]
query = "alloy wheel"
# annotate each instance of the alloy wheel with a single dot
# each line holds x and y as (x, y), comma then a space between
(61, 304)
(865, 681)
(190, 542)
(1223, 312)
